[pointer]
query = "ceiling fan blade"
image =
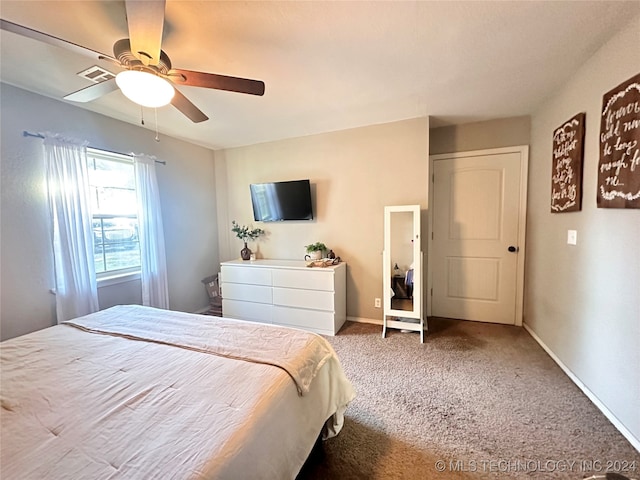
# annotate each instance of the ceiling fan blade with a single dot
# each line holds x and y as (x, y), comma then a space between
(146, 21)
(218, 82)
(92, 92)
(187, 108)
(51, 40)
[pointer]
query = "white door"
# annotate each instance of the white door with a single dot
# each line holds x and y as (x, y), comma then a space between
(478, 235)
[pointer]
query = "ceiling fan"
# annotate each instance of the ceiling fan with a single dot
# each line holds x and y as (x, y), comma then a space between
(142, 60)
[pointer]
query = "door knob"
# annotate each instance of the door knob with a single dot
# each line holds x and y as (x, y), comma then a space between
(513, 249)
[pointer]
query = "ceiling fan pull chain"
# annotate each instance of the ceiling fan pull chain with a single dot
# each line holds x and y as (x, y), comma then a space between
(141, 115)
(155, 110)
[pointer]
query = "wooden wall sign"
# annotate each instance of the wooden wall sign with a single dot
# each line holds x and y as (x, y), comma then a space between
(566, 174)
(619, 167)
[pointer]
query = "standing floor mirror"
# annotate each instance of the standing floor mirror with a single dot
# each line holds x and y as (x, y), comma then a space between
(402, 270)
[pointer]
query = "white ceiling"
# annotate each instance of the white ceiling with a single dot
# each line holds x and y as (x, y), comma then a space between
(327, 65)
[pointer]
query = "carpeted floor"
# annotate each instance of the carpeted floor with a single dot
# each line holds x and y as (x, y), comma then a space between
(474, 401)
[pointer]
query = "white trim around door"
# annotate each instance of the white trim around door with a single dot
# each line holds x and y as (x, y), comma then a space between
(523, 152)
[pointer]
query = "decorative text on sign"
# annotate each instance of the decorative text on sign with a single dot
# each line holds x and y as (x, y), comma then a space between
(566, 174)
(619, 167)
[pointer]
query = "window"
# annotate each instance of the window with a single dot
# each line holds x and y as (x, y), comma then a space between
(113, 206)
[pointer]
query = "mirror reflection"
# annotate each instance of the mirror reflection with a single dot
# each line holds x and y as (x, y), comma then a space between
(401, 258)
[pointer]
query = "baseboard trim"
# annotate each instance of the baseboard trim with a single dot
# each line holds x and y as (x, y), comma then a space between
(635, 442)
(375, 321)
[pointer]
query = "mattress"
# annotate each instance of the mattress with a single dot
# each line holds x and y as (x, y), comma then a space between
(136, 392)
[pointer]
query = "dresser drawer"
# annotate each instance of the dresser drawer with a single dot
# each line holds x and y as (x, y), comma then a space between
(310, 279)
(253, 276)
(247, 293)
(312, 299)
(310, 319)
(256, 312)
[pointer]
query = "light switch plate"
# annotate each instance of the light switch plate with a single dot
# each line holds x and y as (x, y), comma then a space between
(572, 237)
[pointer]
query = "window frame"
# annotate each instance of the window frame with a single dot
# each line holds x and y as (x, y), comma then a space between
(112, 277)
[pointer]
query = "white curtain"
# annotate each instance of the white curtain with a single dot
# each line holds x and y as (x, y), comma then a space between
(70, 208)
(155, 292)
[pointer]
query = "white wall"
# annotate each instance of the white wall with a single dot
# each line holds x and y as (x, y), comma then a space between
(583, 301)
(354, 174)
(187, 189)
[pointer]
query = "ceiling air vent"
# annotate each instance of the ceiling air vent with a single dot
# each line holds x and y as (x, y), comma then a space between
(96, 74)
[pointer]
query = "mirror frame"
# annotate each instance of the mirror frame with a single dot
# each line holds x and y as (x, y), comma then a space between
(387, 269)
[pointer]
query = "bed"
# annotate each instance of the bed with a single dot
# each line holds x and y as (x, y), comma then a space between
(136, 392)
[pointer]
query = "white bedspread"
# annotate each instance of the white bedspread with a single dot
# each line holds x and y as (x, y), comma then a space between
(301, 355)
(127, 403)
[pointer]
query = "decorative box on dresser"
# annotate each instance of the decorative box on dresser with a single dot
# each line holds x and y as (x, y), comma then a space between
(285, 292)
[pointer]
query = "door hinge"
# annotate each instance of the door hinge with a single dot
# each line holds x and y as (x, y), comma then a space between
(432, 292)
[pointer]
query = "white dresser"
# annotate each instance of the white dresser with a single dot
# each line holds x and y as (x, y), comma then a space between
(285, 292)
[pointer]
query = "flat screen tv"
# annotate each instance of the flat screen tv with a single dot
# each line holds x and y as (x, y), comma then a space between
(279, 201)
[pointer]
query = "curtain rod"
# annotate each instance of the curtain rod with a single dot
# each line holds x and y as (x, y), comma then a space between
(39, 135)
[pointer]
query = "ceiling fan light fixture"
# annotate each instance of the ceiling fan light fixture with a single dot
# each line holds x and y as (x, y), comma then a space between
(145, 88)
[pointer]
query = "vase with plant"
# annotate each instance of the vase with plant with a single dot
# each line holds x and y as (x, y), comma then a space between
(245, 234)
(315, 251)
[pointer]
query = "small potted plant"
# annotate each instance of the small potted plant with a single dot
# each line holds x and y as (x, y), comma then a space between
(245, 234)
(315, 251)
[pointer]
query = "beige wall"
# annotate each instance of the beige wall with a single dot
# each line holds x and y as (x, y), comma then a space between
(583, 301)
(354, 174)
(187, 191)
(503, 132)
